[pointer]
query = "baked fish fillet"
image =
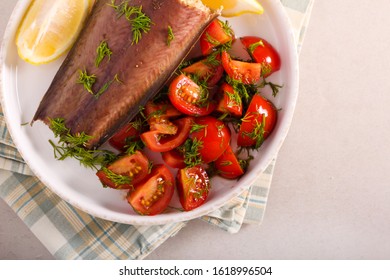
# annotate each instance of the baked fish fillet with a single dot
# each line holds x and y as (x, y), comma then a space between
(133, 73)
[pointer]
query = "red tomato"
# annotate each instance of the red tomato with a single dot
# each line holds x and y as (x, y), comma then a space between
(152, 196)
(193, 186)
(230, 101)
(162, 143)
(125, 172)
(258, 122)
(245, 72)
(129, 132)
(174, 159)
(262, 52)
(189, 98)
(210, 73)
(228, 165)
(213, 136)
(216, 34)
(158, 116)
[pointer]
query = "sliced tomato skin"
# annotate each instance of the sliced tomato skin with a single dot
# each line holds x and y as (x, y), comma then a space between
(226, 104)
(145, 191)
(183, 92)
(126, 133)
(212, 74)
(174, 159)
(265, 53)
(215, 138)
(193, 186)
(245, 72)
(157, 143)
(214, 36)
(137, 164)
(228, 165)
(258, 107)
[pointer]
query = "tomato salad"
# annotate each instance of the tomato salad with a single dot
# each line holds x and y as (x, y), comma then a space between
(190, 124)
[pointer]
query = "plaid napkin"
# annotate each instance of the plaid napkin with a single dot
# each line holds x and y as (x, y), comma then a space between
(69, 233)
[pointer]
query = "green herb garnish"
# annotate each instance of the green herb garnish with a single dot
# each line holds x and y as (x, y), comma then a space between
(140, 22)
(190, 150)
(253, 46)
(117, 179)
(171, 36)
(74, 146)
(258, 131)
(102, 51)
(86, 80)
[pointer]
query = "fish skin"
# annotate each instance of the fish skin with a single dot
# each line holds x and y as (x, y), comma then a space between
(142, 68)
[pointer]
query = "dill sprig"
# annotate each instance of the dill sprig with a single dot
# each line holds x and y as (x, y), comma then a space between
(140, 22)
(117, 179)
(102, 51)
(74, 146)
(105, 87)
(190, 150)
(258, 131)
(86, 80)
(274, 87)
(171, 36)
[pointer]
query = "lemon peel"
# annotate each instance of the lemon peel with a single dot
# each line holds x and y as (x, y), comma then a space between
(233, 8)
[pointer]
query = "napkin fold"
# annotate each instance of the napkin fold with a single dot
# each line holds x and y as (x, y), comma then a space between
(69, 233)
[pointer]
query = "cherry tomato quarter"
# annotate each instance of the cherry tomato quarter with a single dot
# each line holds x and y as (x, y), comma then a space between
(190, 98)
(125, 172)
(258, 122)
(216, 34)
(153, 195)
(126, 134)
(244, 72)
(228, 165)
(230, 101)
(174, 158)
(213, 137)
(193, 186)
(158, 142)
(206, 71)
(262, 52)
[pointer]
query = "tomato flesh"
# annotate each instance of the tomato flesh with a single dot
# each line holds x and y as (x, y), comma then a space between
(153, 195)
(245, 72)
(214, 137)
(230, 101)
(210, 74)
(185, 95)
(162, 143)
(262, 52)
(228, 165)
(173, 158)
(193, 186)
(130, 169)
(258, 122)
(127, 133)
(214, 36)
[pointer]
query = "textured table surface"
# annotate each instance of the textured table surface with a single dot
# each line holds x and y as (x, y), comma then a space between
(330, 196)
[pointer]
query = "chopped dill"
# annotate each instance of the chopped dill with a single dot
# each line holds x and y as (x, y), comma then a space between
(140, 22)
(74, 146)
(171, 36)
(190, 150)
(117, 179)
(102, 51)
(86, 80)
(274, 87)
(254, 46)
(257, 133)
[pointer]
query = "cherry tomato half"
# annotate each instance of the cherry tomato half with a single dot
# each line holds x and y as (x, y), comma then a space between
(125, 172)
(152, 196)
(228, 165)
(245, 72)
(262, 52)
(258, 122)
(158, 142)
(216, 34)
(189, 98)
(193, 186)
(213, 136)
(230, 101)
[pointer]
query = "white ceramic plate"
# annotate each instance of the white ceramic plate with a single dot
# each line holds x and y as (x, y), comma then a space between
(23, 86)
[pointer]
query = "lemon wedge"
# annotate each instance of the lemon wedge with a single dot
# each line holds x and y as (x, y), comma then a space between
(49, 28)
(233, 8)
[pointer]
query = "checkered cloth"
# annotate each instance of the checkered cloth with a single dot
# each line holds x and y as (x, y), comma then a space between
(69, 233)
